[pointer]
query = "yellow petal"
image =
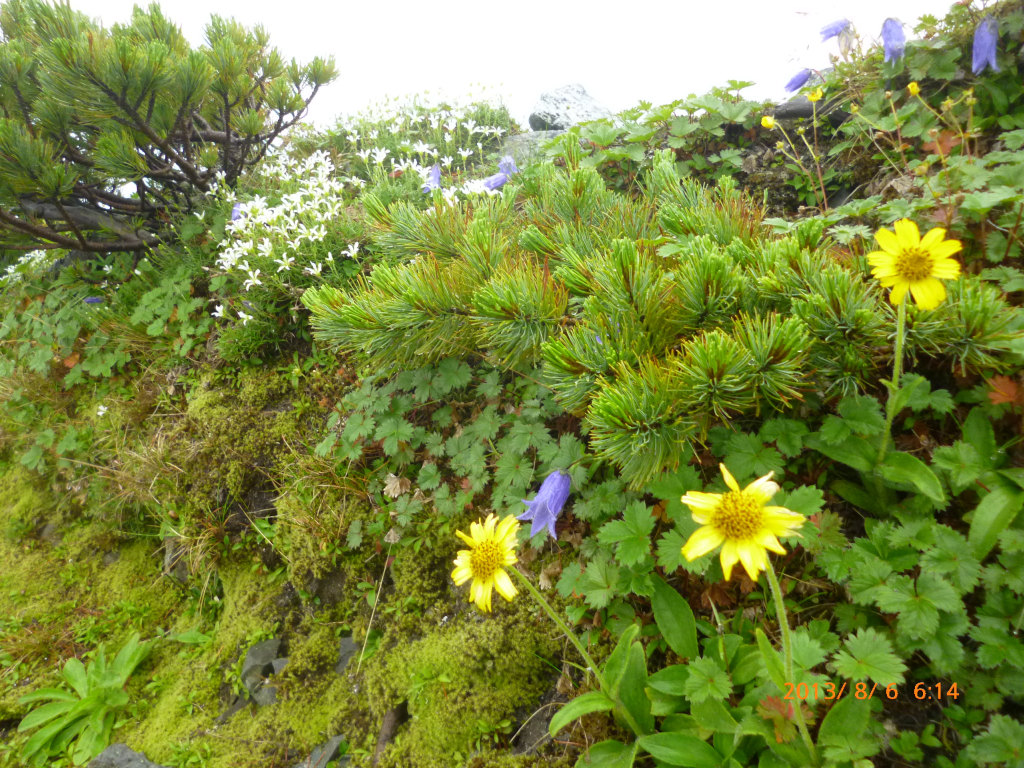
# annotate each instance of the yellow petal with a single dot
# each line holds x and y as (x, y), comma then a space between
(729, 558)
(928, 293)
(881, 258)
(489, 524)
(504, 585)
(477, 532)
(472, 542)
(763, 489)
(729, 479)
(946, 269)
(766, 539)
(753, 557)
(885, 270)
(945, 249)
(702, 504)
(702, 541)
(461, 575)
(908, 234)
(888, 242)
(899, 290)
(932, 238)
(506, 529)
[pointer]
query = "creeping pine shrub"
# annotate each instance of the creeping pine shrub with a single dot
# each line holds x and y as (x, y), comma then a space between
(649, 322)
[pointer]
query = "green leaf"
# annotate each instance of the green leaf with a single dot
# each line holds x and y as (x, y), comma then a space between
(44, 714)
(1002, 743)
(675, 619)
(991, 517)
(682, 750)
(772, 662)
(671, 680)
(961, 461)
(917, 604)
(429, 477)
(707, 680)
(631, 692)
(849, 715)
(869, 655)
(862, 414)
(393, 432)
(855, 451)
(632, 533)
(595, 701)
(608, 754)
(746, 455)
(74, 672)
(712, 715)
(978, 432)
(787, 434)
(904, 468)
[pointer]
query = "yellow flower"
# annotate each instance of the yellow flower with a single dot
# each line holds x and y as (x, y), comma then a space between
(909, 261)
(913, 89)
(815, 95)
(740, 521)
(768, 122)
(492, 545)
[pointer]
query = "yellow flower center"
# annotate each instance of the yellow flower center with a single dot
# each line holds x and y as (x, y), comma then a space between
(485, 560)
(738, 515)
(914, 265)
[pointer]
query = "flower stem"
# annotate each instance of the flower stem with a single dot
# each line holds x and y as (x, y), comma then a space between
(787, 652)
(553, 614)
(897, 371)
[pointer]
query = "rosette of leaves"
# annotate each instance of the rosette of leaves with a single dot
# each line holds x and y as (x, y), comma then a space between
(81, 720)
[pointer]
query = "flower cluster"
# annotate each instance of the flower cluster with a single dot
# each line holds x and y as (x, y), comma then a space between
(31, 263)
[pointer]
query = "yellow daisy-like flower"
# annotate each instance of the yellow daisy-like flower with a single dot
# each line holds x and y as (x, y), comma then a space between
(768, 122)
(909, 261)
(740, 522)
(913, 88)
(492, 545)
(815, 95)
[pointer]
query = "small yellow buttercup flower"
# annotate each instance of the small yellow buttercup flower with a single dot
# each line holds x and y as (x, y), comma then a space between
(492, 545)
(815, 95)
(913, 88)
(768, 122)
(908, 261)
(740, 522)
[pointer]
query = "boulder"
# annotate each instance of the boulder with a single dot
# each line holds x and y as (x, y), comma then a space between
(527, 147)
(259, 663)
(119, 756)
(347, 650)
(565, 107)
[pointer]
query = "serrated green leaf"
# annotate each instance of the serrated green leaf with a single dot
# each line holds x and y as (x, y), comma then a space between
(707, 680)
(869, 656)
(632, 533)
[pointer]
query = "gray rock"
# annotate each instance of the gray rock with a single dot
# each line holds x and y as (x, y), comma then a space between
(347, 649)
(528, 147)
(51, 535)
(175, 566)
(279, 664)
(565, 107)
(265, 695)
(259, 663)
(323, 754)
(237, 705)
(119, 756)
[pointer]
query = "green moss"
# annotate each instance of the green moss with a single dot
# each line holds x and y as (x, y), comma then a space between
(471, 668)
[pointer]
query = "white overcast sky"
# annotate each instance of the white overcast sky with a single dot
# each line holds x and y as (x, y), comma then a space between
(621, 52)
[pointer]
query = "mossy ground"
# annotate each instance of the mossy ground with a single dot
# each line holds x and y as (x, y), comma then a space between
(76, 575)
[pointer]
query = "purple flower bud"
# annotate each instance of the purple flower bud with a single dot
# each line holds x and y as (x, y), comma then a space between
(893, 39)
(986, 37)
(495, 181)
(508, 165)
(598, 339)
(834, 29)
(93, 300)
(799, 80)
(433, 179)
(236, 211)
(547, 506)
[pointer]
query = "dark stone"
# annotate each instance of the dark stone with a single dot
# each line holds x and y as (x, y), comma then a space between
(111, 557)
(259, 663)
(279, 664)
(175, 566)
(119, 756)
(533, 734)
(323, 754)
(347, 649)
(265, 695)
(238, 705)
(51, 535)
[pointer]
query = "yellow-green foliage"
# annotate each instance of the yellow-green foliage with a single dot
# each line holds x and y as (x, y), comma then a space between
(234, 435)
(494, 665)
